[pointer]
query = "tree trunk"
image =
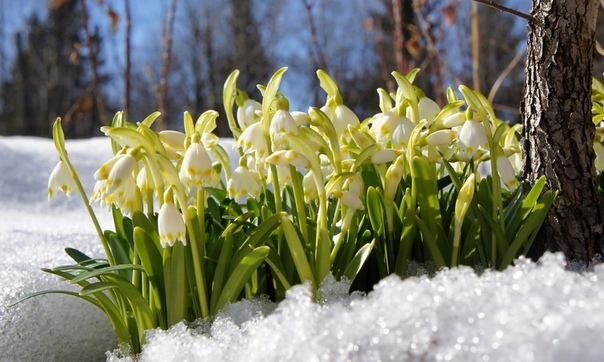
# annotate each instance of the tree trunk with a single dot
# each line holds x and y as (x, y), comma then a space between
(558, 129)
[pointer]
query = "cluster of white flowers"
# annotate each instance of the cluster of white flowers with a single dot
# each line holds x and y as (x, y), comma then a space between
(327, 145)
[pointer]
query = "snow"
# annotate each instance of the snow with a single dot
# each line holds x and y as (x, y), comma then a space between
(530, 312)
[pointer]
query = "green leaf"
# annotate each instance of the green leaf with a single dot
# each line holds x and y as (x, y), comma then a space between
(529, 227)
(151, 259)
(430, 242)
(424, 180)
(495, 228)
(228, 99)
(107, 270)
(358, 261)
(77, 255)
(270, 93)
(222, 268)
(374, 203)
(297, 250)
(329, 86)
(241, 275)
(259, 236)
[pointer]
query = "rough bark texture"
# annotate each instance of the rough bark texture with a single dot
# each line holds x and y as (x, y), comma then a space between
(558, 130)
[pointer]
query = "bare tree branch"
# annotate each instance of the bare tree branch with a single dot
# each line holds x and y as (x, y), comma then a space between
(505, 9)
(320, 60)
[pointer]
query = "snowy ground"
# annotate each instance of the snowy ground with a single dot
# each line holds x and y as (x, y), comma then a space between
(532, 312)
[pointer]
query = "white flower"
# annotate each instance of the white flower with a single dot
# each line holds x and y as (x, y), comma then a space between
(349, 199)
(383, 124)
(127, 197)
(288, 157)
(243, 182)
(253, 140)
(506, 172)
(282, 124)
(472, 139)
(428, 109)
(173, 140)
(196, 167)
(387, 155)
(442, 137)
(402, 132)
(301, 118)
(103, 172)
(454, 120)
(309, 186)
(121, 170)
(60, 179)
(171, 225)
(143, 183)
(342, 117)
(247, 114)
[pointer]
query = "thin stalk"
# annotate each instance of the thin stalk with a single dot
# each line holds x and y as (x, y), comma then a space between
(197, 262)
(91, 213)
(299, 200)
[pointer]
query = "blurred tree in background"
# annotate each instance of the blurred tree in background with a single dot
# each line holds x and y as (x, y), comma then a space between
(357, 42)
(49, 77)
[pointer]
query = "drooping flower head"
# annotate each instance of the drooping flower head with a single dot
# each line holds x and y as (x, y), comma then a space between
(60, 180)
(196, 167)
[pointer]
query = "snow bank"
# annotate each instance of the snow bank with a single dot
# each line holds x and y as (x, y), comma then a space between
(530, 312)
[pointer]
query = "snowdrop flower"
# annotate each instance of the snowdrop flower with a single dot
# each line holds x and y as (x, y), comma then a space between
(428, 109)
(248, 113)
(103, 172)
(309, 186)
(361, 138)
(301, 118)
(402, 132)
(383, 124)
(253, 140)
(143, 183)
(472, 138)
(121, 170)
(288, 157)
(342, 118)
(349, 199)
(442, 137)
(60, 179)
(196, 167)
(282, 124)
(170, 225)
(127, 197)
(173, 140)
(454, 120)
(387, 155)
(243, 182)
(506, 172)
(327, 168)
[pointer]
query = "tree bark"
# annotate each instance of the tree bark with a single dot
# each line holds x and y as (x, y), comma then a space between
(558, 128)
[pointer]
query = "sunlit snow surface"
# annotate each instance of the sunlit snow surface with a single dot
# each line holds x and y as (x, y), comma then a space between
(531, 312)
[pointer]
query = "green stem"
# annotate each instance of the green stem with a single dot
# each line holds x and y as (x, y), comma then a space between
(299, 200)
(196, 251)
(95, 221)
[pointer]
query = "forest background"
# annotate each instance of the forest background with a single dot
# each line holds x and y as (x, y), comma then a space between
(83, 60)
